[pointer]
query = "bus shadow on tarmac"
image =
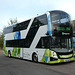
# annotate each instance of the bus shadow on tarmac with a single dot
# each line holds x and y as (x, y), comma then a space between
(64, 63)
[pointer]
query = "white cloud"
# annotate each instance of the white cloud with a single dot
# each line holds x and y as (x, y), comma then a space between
(68, 6)
(24, 9)
(5, 22)
(21, 19)
(65, 5)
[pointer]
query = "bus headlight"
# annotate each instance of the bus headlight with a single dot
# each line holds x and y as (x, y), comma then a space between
(53, 54)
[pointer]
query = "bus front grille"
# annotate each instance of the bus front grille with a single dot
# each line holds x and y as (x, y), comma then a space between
(65, 55)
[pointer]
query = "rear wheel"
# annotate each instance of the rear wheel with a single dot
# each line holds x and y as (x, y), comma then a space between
(35, 58)
(9, 54)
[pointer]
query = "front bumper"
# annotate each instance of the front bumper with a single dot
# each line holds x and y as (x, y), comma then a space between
(61, 60)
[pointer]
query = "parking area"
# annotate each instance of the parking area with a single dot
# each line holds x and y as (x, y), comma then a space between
(14, 66)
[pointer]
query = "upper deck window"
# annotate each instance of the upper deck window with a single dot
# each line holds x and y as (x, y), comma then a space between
(21, 26)
(59, 17)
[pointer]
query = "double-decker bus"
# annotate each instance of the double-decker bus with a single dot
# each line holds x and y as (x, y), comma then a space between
(45, 38)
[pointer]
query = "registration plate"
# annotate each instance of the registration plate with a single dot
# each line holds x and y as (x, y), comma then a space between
(67, 60)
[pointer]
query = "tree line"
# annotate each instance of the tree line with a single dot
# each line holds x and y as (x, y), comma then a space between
(1, 40)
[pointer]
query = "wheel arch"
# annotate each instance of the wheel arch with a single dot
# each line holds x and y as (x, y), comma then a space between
(9, 51)
(33, 55)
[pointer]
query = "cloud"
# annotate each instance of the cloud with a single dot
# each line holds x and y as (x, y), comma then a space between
(65, 5)
(68, 6)
(22, 19)
(24, 9)
(5, 22)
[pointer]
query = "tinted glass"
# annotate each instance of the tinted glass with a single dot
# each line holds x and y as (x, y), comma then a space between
(39, 21)
(42, 19)
(61, 24)
(8, 30)
(59, 17)
(21, 26)
(44, 42)
(57, 42)
(73, 24)
(23, 43)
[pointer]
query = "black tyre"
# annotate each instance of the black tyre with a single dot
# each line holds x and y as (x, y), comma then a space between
(35, 58)
(9, 54)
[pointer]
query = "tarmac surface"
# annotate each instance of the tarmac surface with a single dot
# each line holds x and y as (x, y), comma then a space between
(14, 66)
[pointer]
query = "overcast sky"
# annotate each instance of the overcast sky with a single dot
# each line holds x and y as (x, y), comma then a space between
(24, 9)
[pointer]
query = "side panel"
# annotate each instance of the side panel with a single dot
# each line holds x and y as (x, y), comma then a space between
(11, 36)
(4, 46)
(14, 36)
(16, 52)
(27, 52)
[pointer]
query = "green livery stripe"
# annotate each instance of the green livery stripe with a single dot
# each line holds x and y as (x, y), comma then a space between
(5, 51)
(66, 56)
(46, 56)
(16, 52)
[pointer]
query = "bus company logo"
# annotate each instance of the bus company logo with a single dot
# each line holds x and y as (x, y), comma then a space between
(17, 35)
(65, 33)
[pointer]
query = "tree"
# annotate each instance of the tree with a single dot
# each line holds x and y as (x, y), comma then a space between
(12, 21)
(1, 40)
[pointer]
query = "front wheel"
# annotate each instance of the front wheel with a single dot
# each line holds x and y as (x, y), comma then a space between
(35, 58)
